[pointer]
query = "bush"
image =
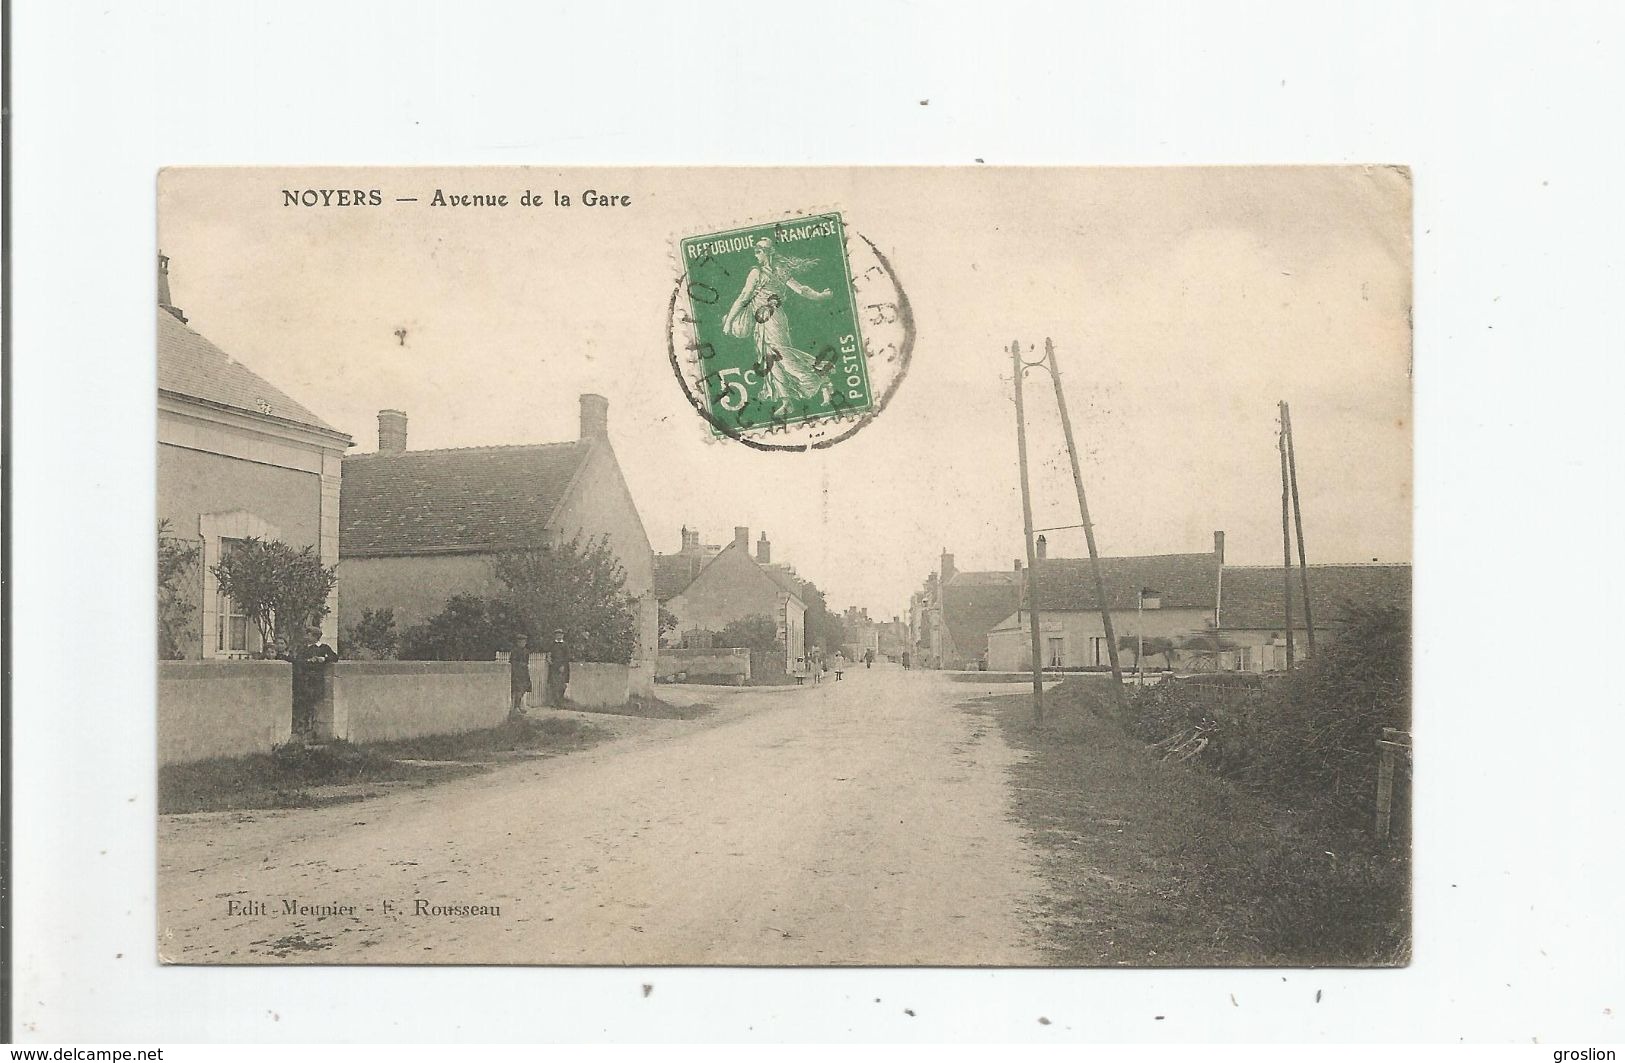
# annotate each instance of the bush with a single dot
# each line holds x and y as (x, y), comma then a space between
(757, 633)
(178, 594)
(469, 628)
(372, 638)
(1308, 741)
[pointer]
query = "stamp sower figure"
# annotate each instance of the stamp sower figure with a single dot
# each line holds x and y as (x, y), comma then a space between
(758, 315)
(558, 670)
(519, 672)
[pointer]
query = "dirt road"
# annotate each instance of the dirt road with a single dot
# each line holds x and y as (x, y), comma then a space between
(861, 822)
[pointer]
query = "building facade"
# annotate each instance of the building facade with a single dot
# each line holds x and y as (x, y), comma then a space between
(420, 526)
(732, 585)
(1163, 597)
(1252, 610)
(237, 458)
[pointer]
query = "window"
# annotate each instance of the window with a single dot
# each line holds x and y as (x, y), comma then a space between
(1055, 655)
(1099, 652)
(231, 625)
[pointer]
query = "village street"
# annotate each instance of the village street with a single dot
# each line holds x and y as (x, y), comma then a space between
(860, 822)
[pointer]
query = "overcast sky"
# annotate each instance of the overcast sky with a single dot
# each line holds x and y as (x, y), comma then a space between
(1183, 302)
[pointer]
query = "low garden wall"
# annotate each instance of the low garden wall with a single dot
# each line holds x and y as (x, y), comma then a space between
(222, 708)
(381, 701)
(598, 686)
(703, 666)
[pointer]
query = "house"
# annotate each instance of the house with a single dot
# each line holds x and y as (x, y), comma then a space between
(1252, 614)
(1164, 596)
(418, 526)
(862, 633)
(237, 457)
(732, 585)
(950, 617)
(674, 572)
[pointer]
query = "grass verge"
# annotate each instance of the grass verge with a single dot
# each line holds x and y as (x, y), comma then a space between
(300, 776)
(1160, 864)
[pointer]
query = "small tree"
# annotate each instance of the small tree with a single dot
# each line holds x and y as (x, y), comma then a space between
(177, 605)
(373, 637)
(759, 634)
(668, 623)
(282, 591)
(579, 588)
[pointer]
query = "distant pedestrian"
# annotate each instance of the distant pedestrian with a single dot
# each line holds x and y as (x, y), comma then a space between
(519, 672)
(868, 658)
(840, 664)
(558, 670)
(907, 662)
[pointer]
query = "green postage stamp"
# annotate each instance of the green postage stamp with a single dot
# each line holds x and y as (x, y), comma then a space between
(775, 324)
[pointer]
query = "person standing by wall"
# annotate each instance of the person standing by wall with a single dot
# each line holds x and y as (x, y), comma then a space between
(558, 670)
(310, 663)
(519, 672)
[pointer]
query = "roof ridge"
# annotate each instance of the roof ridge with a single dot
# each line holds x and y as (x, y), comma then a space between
(464, 450)
(1327, 564)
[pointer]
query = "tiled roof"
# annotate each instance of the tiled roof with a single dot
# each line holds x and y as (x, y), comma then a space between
(1185, 581)
(189, 365)
(1252, 595)
(674, 572)
(468, 500)
(972, 603)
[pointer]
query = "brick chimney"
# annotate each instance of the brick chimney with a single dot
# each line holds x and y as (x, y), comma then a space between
(742, 538)
(691, 539)
(1043, 547)
(163, 288)
(947, 566)
(391, 432)
(594, 417)
(764, 550)
(1218, 546)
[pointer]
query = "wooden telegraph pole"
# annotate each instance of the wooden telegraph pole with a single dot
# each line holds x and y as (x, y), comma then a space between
(1297, 519)
(1088, 531)
(1286, 538)
(1032, 553)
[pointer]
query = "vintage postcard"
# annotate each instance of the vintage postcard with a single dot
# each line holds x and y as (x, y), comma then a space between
(784, 567)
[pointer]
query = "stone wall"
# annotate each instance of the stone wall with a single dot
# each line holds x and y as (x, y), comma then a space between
(382, 701)
(598, 686)
(222, 708)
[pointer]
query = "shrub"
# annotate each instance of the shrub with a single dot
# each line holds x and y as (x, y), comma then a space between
(283, 591)
(178, 594)
(372, 638)
(469, 628)
(757, 633)
(1308, 741)
(577, 587)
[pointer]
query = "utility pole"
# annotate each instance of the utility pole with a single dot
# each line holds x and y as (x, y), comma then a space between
(1027, 526)
(1286, 539)
(1297, 517)
(1088, 531)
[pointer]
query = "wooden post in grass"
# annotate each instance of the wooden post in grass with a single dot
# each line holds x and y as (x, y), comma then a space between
(1027, 526)
(1392, 743)
(1118, 695)
(1286, 539)
(1297, 520)
(1385, 788)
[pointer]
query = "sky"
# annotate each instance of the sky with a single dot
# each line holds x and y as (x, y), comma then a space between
(1183, 304)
